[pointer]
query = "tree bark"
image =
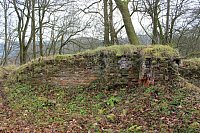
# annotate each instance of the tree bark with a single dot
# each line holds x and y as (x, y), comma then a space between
(106, 23)
(19, 33)
(155, 22)
(6, 34)
(123, 8)
(40, 31)
(33, 29)
(167, 23)
(23, 23)
(112, 32)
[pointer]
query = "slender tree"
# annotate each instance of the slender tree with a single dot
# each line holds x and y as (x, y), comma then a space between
(167, 23)
(112, 29)
(33, 28)
(5, 6)
(42, 9)
(106, 23)
(123, 8)
(23, 12)
(155, 21)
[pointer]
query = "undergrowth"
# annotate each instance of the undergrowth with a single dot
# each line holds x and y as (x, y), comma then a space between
(153, 109)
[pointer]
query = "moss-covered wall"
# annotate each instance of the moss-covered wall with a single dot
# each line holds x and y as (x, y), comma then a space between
(119, 65)
(82, 71)
(190, 70)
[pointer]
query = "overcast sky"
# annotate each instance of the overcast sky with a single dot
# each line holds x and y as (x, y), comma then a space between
(97, 28)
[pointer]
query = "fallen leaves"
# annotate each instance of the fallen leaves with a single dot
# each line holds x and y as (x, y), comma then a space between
(78, 110)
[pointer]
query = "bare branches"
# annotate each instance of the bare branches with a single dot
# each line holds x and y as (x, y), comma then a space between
(87, 10)
(71, 35)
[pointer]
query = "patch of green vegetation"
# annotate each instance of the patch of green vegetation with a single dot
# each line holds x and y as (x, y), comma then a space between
(23, 98)
(160, 51)
(55, 119)
(149, 90)
(124, 110)
(178, 98)
(135, 129)
(99, 96)
(155, 51)
(117, 50)
(112, 101)
(194, 55)
(193, 63)
(64, 57)
(6, 69)
(111, 117)
(29, 64)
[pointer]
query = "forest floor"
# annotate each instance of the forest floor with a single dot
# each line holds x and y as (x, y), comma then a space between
(73, 110)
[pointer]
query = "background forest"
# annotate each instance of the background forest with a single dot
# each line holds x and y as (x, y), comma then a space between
(34, 28)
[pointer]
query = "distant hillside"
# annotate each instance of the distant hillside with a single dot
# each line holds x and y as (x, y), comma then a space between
(78, 44)
(81, 43)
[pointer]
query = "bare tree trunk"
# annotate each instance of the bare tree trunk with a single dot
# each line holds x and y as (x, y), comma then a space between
(23, 23)
(24, 31)
(112, 32)
(33, 29)
(42, 8)
(52, 42)
(123, 7)
(61, 41)
(19, 33)
(40, 32)
(161, 35)
(106, 23)
(167, 23)
(6, 34)
(155, 22)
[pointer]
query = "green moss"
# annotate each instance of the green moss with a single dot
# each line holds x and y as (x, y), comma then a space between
(6, 70)
(17, 72)
(34, 62)
(193, 63)
(160, 51)
(64, 57)
(157, 51)
(153, 51)
(135, 129)
(118, 50)
(194, 125)
(194, 55)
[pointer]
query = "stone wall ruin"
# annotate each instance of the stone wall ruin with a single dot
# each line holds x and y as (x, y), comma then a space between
(103, 68)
